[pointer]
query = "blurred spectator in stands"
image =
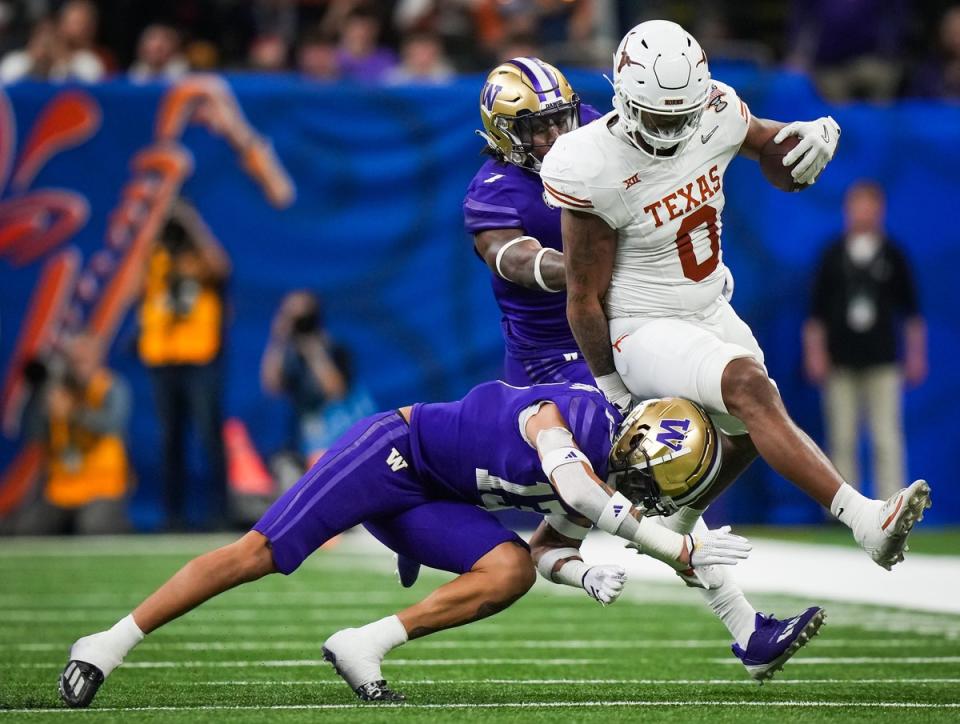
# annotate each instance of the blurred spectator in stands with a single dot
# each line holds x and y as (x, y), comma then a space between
(359, 55)
(182, 319)
(8, 27)
(77, 28)
(202, 55)
(714, 30)
(80, 417)
(422, 60)
(939, 75)
(519, 45)
(863, 298)
(158, 55)
(301, 362)
(851, 48)
(469, 30)
(46, 57)
(317, 56)
(268, 53)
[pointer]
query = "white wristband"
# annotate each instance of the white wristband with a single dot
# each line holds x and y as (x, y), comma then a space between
(562, 456)
(503, 249)
(616, 512)
(571, 573)
(566, 527)
(549, 559)
(537, 274)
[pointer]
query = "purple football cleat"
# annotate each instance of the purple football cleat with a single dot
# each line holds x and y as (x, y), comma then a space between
(773, 642)
(408, 570)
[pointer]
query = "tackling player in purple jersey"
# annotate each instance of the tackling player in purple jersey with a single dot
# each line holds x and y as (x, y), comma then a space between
(417, 478)
(525, 105)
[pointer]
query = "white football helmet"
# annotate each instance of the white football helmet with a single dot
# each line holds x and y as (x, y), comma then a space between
(661, 84)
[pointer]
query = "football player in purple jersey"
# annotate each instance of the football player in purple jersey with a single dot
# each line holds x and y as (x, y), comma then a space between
(525, 106)
(422, 480)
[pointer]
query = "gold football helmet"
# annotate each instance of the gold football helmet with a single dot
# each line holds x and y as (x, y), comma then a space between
(522, 97)
(665, 455)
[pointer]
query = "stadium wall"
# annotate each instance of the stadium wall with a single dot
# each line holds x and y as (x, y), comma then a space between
(375, 228)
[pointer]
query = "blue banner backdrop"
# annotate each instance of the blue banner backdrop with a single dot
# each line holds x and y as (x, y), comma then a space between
(376, 229)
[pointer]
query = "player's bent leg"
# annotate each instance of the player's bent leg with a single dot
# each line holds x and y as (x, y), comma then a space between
(880, 527)
(495, 581)
(93, 658)
(749, 395)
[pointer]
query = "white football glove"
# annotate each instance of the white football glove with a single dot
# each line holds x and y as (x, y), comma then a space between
(717, 547)
(706, 577)
(616, 392)
(818, 143)
(712, 549)
(604, 583)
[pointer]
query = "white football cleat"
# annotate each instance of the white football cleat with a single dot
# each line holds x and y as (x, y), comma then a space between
(886, 540)
(358, 660)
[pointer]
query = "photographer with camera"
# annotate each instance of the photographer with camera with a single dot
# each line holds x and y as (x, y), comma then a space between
(182, 318)
(79, 413)
(303, 363)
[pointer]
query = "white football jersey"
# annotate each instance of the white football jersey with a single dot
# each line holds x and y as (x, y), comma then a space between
(667, 212)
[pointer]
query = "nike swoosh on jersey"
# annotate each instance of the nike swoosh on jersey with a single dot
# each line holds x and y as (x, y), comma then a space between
(704, 139)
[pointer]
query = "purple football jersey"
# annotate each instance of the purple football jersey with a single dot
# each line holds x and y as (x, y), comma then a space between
(504, 196)
(473, 449)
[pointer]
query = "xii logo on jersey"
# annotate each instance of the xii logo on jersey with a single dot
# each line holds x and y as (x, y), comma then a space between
(628, 182)
(673, 433)
(395, 460)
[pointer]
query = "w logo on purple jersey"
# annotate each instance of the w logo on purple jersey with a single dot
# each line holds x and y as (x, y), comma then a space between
(674, 432)
(489, 95)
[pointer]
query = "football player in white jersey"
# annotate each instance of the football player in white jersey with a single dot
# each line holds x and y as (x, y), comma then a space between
(642, 194)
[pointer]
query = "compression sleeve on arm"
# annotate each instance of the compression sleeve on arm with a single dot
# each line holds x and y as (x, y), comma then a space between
(565, 464)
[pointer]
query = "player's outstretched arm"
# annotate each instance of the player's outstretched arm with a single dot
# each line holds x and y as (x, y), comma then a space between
(590, 246)
(572, 476)
(557, 557)
(521, 259)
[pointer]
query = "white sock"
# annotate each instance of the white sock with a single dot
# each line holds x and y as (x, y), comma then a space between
(107, 649)
(385, 634)
(733, 608)
(683, 521)
(854, 509)
(727, 602)
(360, 651)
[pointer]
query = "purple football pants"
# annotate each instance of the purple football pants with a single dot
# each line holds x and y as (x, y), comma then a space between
(367, 477)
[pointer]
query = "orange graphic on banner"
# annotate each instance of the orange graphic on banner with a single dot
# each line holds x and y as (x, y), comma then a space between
(36, 222)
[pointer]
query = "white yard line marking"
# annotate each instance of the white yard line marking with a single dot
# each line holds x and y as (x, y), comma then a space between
(568, 682)
(492, 644)
(279, 663)
(512, 705)
(282, 663)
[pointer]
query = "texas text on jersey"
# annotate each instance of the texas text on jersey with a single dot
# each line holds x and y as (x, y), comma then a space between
(667, 210)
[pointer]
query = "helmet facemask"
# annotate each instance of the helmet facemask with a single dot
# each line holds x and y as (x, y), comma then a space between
(665, 456)
(658, 132)
(522, 129)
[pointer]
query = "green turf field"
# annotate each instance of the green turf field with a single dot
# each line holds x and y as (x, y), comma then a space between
(253, 655)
